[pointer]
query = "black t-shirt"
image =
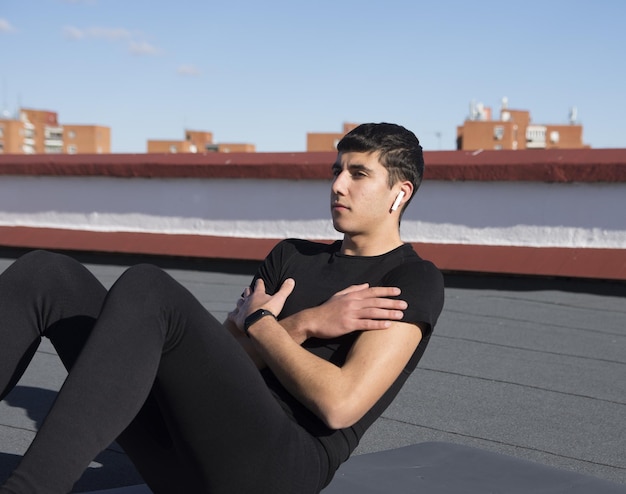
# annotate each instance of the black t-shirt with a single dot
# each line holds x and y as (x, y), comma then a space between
(320, 271)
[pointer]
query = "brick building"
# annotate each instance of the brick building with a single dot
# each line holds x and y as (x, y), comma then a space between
(514, 130)
(79, 139)
(39, 132)
(327, 141)
(197, 141)
(14, 138)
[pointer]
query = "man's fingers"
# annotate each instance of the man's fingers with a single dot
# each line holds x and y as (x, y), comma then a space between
(364, 291)
(353, 288)
(383, 303)
(383, 291)
(383, 314)
(378, 319)
(287, 287)
(259, 284)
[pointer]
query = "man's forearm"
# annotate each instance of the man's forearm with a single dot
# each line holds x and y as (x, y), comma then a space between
(294, 325)
(297, 325)
(339, 396)
(311, 380)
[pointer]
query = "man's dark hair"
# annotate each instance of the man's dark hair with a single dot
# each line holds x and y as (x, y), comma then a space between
(399, 148)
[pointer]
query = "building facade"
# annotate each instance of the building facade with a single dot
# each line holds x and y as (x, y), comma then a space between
(13, 139)
(197, 141)
(514, 130)
(39, 132)
(79, 139)
(327, 141)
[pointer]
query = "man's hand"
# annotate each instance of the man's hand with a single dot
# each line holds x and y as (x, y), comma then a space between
(358, 307)
(257, 298)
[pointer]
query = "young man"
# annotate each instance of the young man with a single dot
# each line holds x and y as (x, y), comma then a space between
(334, 329)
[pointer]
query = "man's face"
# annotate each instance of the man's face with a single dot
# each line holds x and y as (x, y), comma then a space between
(360, 196)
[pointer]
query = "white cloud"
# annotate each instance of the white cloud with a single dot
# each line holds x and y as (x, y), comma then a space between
(188, 70)
(143, 48)
(6, 27)
(107, 33)
(113, 34)
(72, 32)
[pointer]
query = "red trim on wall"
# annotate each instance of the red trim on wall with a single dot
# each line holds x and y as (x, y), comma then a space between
(137, 243)
(607, 264)
(552, 165)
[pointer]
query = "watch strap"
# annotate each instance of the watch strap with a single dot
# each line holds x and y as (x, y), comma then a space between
(254, 317)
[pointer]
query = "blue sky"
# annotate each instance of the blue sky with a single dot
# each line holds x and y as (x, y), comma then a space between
(269, 72)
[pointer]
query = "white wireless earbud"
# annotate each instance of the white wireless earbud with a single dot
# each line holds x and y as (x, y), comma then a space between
(396, 203)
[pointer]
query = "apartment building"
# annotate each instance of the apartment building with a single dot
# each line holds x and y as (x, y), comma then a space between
(13, 139)
(78, 139)
(197, 141)
(515, 130)
(327, 141)
(39, 132)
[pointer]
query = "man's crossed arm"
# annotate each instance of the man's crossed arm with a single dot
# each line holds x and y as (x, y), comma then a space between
(340, 396)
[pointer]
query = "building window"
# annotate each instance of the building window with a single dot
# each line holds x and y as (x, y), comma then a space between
(71, 149)
(53, 133)
(498, 132)
(554, 137)
(498, 147)
(1, 132)
(71, 134)
(173, 149)
(535, 136)
(53, 149)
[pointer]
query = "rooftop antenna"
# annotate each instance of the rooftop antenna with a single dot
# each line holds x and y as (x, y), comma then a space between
(438, 136)
(573, 115)
(5, 108)
(472, 110)
(18, 112)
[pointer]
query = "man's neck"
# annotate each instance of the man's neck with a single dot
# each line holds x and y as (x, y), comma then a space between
(359, 245)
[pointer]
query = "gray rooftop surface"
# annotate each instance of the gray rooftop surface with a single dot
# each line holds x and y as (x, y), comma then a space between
(527, 367)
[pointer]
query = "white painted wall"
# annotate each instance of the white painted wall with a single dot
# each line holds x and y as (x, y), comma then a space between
(483, 213)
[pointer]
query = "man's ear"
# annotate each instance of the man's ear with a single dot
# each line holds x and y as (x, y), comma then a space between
(404, 194)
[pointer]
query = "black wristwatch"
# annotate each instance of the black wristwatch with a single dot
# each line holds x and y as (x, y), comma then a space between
(254, 317)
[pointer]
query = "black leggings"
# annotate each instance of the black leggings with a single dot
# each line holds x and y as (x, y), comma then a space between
(152, 369)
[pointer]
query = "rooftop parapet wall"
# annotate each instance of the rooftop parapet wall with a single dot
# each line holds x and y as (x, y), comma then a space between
(556, 213)
(564, 165)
